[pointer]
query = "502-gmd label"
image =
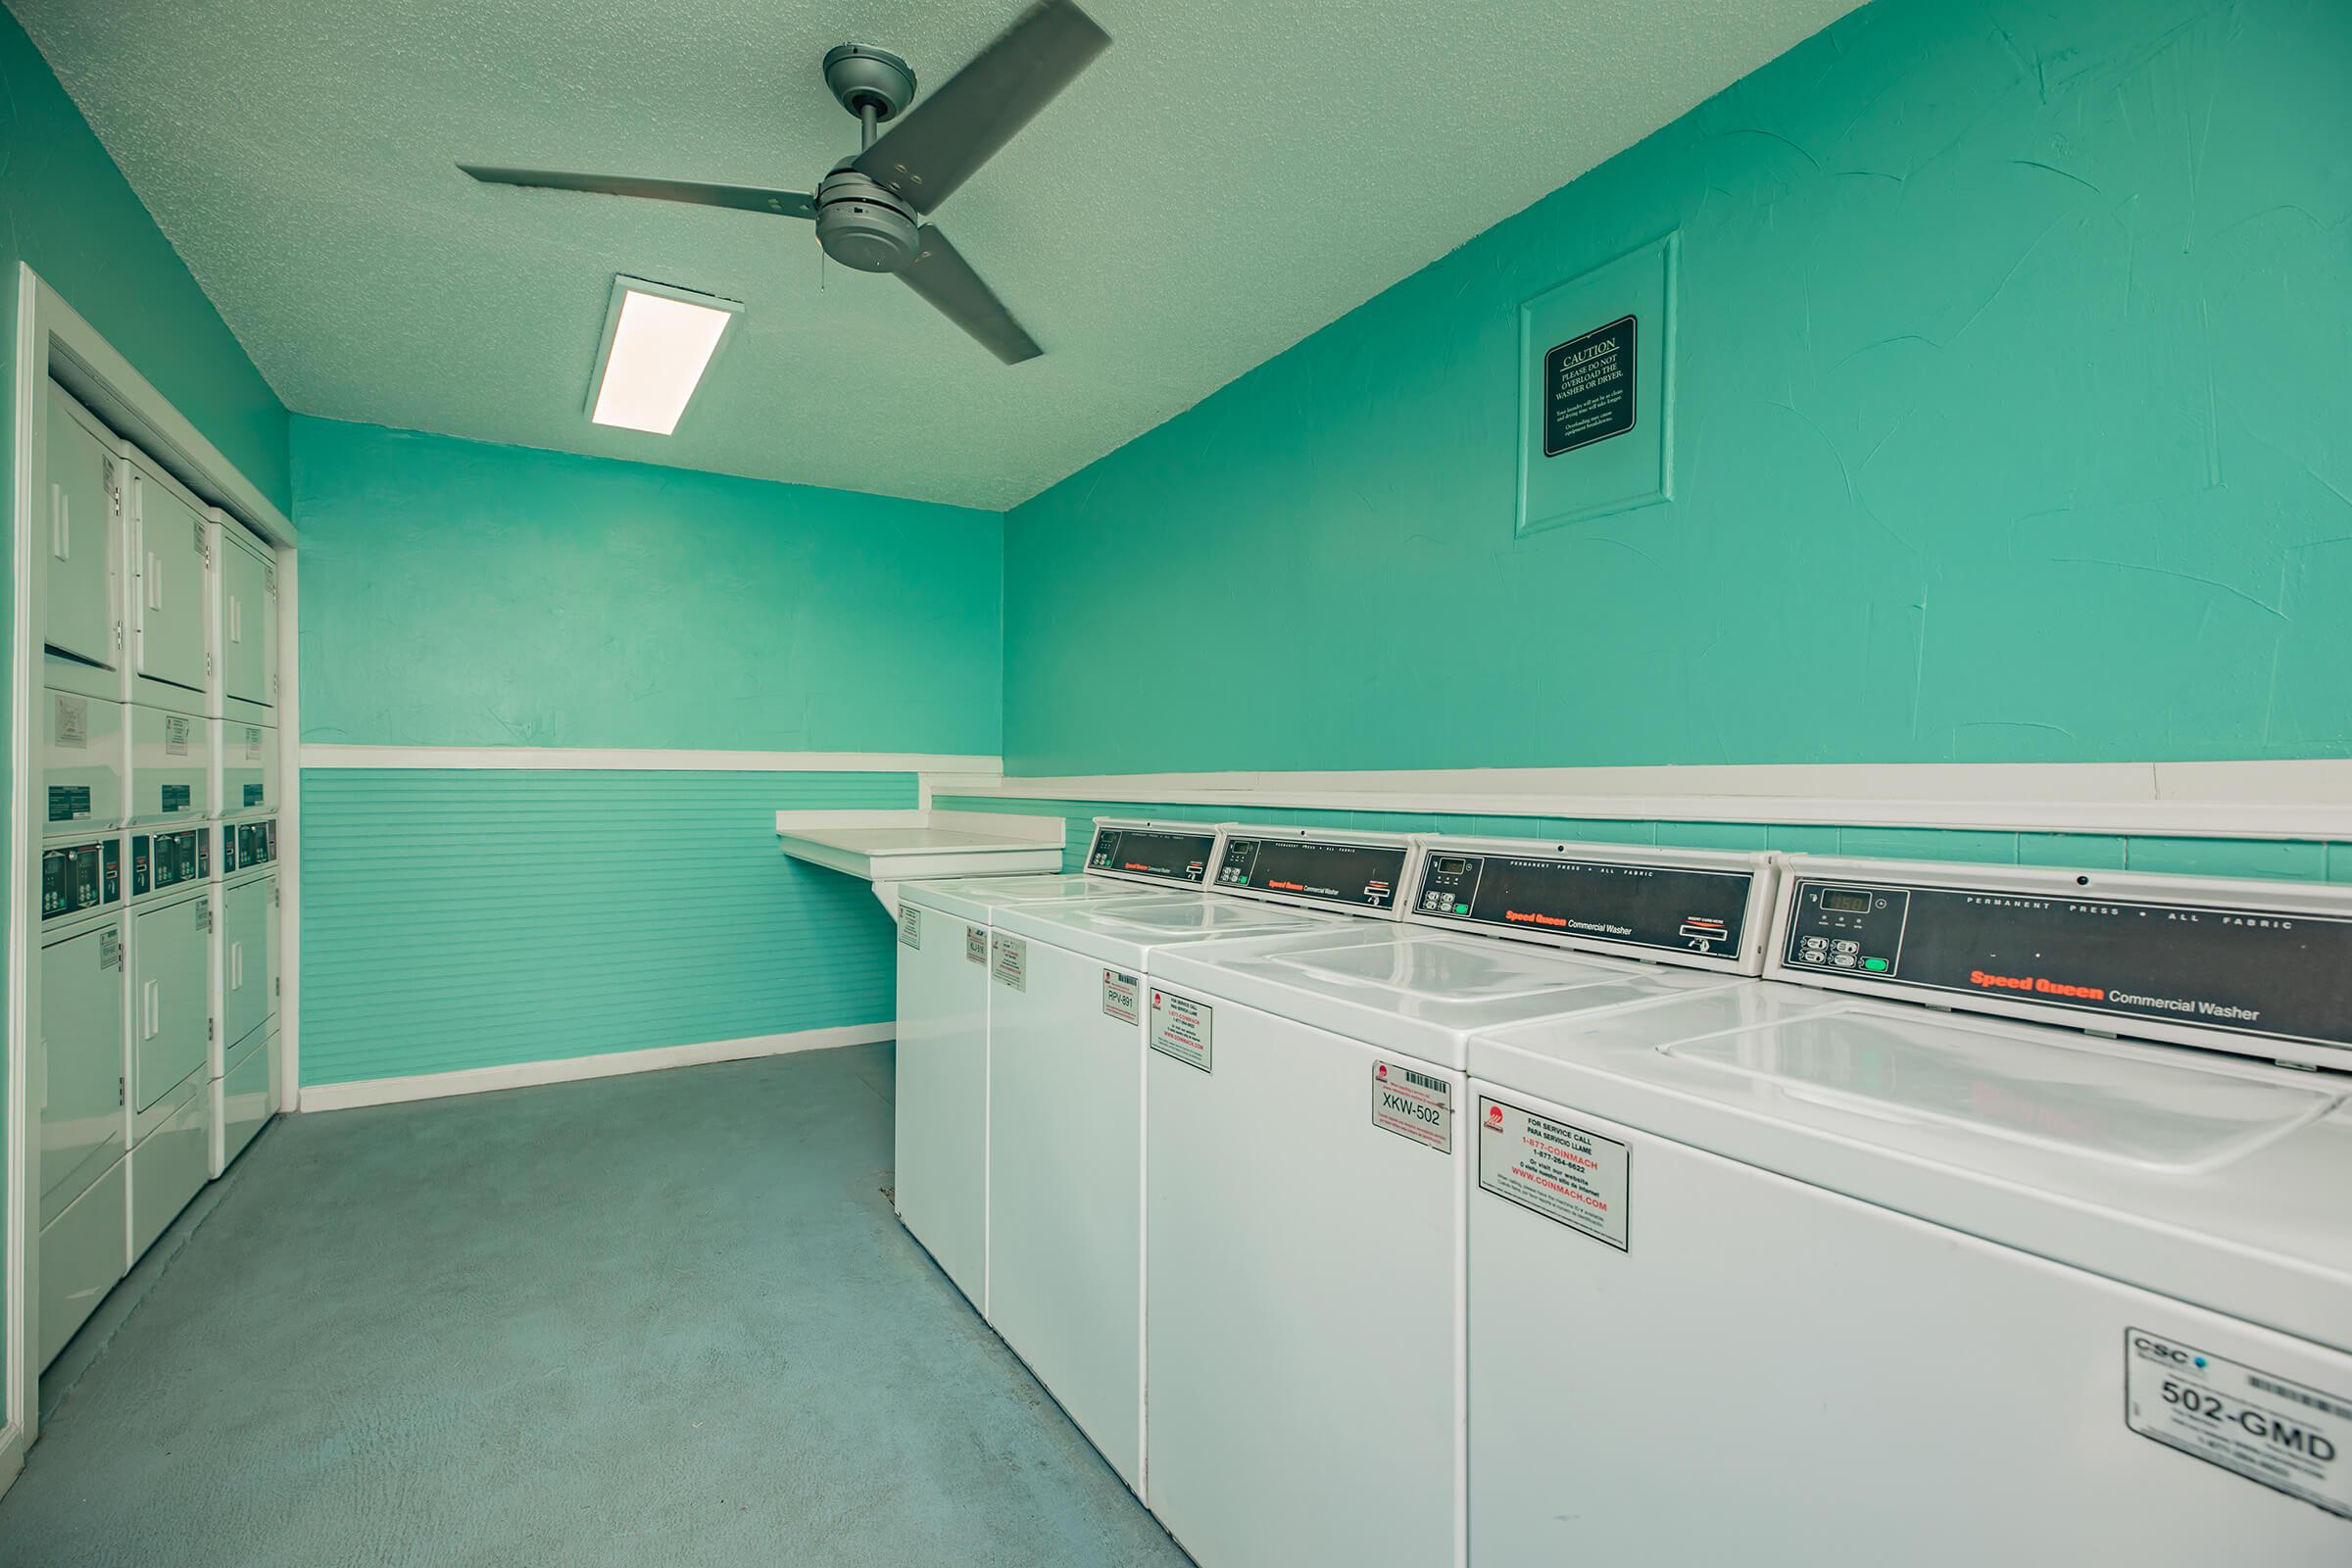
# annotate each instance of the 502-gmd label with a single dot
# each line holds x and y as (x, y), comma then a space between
(2266, 1427)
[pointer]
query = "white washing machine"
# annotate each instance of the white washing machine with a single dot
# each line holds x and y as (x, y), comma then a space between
(1306, 1180)
(1887, 1284)
(1071, 990)
(940, 1185)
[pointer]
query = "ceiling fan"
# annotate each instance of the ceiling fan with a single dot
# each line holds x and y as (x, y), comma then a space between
(869, 210)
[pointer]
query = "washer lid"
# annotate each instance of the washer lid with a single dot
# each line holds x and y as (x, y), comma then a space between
(2191, 1174)
(978, 898)
(1421, 993)
(1124, 930)
(2076, 1097)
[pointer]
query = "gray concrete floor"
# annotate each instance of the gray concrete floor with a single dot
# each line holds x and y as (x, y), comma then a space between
(666, 1319)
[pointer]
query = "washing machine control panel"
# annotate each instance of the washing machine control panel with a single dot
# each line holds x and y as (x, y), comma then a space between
(1348, 873)
(1626, 904)
(245, 844)
(160, 860)
(80, 877)
(2276, 973)
(1153, 853)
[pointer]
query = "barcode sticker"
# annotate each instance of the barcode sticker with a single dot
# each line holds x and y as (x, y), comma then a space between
(2269, 1429)
(1120, 993)
(1413, 1104)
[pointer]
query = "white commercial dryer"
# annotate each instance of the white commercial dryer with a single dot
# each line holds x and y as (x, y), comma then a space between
(1306, 1179)
(940, 1104)
(1071, 987)
(2022, 1279)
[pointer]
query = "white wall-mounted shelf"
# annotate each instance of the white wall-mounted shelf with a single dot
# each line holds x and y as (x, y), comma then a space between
(888, 848)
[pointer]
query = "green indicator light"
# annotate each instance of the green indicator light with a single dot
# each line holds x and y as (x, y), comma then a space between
(1461, 908)
(1875, 965)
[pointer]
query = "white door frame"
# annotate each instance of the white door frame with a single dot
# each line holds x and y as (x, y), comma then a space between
(54, 341)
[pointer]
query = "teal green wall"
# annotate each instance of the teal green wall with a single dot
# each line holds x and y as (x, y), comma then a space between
(459, 594)
(473, 919)
(456, 593)
(2286, 860)
(2015, 423)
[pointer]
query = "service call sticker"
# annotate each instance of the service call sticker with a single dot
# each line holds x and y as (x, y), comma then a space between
(1413, 1104)
(1566, 1174)
(910, 926)
(2288, 1435)
(975, 945)
(1011, 965)
(1120, 995)
(1184, 1029)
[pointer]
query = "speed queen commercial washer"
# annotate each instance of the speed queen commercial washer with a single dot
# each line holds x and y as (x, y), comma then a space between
(1065, 1199)
(1797, 1276)
(1307, 1181)
(939, 1186)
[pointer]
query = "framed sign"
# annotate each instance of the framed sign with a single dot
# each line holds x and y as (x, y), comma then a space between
(1597, 391)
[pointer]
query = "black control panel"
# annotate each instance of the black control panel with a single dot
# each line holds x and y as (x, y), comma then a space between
(247, 844)
(2250, 971)
(160, 860)
(1627, 904)
(1341, 871)
(80, 877)
(1169, 854)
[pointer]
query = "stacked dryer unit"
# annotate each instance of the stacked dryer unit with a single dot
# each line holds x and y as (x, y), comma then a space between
(243, 717)
(1308, 1151)
(2044, 1270)
(129, 792)
(940, 1184)
(80, 1072)
(1072, 994)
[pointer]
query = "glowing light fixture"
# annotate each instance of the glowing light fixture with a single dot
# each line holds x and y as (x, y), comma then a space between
(658, 343)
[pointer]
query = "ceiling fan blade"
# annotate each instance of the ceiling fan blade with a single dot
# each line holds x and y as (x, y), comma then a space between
(961, 126)
(746, 198)
(941, 275)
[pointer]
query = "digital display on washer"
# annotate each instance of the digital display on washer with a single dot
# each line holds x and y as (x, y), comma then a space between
(1626, 903)
(2249, 972)
(1361, 876)
(1168, 855)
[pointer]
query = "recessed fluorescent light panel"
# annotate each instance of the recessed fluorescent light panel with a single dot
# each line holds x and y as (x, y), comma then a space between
(658, 342)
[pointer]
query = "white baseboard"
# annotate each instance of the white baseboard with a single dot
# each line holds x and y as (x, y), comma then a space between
(570, 1069)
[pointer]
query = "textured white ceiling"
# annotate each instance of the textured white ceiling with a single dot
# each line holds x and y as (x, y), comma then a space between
(1231, 176)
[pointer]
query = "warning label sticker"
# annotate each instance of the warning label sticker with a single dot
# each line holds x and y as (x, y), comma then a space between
(72, 723)
(175, 735)
(910, 926)
(253, 743)
(110, 948)
(975, 944)
(1184, 1029)
(1120, 994)
(2288, 1436)
(1563, 1173)
(1413, 1104)
(1011, 966)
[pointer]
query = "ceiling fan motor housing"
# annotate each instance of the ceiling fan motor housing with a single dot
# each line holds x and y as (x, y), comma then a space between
(861, 224)
(864, 77)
